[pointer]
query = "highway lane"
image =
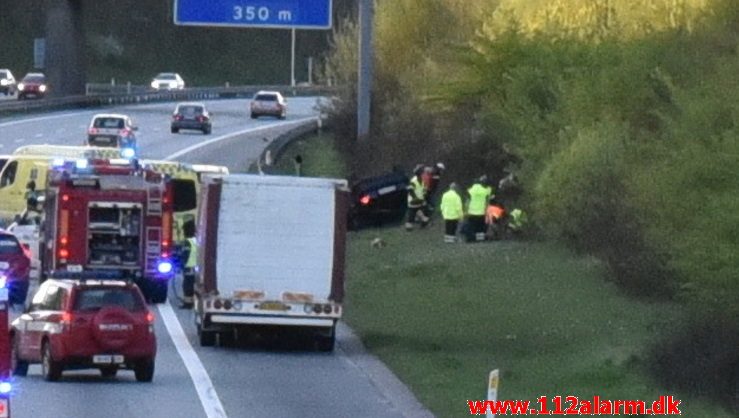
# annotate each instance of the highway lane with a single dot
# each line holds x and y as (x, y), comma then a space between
(250, 378)
(154, 138)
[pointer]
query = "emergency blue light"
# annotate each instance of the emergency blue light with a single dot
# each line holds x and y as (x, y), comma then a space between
(57, 162)
(3, 280)
(164, 267)
(81, 164)
(5, 387)
(128, 152)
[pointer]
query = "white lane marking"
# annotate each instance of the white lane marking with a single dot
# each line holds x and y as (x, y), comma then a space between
(203, 385)
(232, 134)
(65, 115)
(39, 135)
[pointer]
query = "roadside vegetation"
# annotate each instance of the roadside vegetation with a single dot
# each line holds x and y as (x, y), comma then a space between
(442, 316)
(619, 117)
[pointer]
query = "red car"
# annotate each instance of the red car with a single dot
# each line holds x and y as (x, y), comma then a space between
(83, 324)
(32, 85)
(15, 267)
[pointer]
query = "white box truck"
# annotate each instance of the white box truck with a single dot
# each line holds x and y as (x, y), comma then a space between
(271, 253)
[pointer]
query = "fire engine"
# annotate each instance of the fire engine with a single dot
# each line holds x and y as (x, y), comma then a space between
(109, 215)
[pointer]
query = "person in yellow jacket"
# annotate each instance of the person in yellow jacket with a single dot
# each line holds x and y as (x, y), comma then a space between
(417, 209)
(452, 211)
(480, 192)
(188, 279)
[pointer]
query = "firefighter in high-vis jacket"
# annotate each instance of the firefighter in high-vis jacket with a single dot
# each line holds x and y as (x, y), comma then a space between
(417, 209)
(479, 193)
(452, 211)
(188, 280)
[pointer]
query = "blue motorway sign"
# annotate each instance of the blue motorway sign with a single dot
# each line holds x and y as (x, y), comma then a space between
(286, 14)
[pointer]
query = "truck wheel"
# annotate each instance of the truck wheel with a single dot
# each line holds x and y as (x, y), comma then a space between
(174, 130)
(159, 292)
(50, 369)
(144, 371)
(207, 338)
(325, 342)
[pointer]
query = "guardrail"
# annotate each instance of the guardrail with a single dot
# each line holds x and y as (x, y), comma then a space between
(100, 95)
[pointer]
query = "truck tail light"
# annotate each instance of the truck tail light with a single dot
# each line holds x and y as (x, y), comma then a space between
(64, 253)
(63, 240)
(166, 232)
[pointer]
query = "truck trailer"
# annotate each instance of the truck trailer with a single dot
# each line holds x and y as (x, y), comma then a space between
(271, 253)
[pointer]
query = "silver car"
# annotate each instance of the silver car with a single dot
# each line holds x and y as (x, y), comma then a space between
(268, 103)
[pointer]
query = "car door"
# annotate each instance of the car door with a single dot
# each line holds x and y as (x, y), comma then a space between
(45, 320)
(29, 326)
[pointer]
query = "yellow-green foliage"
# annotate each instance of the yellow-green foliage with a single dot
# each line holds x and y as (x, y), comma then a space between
(618, 108)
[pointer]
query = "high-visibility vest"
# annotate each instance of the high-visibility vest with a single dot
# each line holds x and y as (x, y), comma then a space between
(415, 193)
(192, 259)
(494, 213)
(479, 196)
(451, 206)
(518, 218)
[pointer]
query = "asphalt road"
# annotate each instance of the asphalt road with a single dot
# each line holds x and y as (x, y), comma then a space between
(251, 377)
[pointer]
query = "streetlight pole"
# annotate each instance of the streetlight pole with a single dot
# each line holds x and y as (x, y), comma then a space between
(364, 87)
(292, 59)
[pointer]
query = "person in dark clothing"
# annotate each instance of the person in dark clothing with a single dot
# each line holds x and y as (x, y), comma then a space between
(188, 280)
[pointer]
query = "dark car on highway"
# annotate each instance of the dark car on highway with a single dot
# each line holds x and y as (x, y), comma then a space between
(85, 324)
(33, 85)
(378, 200)
(191, 116)
(15, 267)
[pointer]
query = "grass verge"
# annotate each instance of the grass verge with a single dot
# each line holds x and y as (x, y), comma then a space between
(442, 316)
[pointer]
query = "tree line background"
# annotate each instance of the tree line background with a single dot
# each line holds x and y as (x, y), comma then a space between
(132, 40)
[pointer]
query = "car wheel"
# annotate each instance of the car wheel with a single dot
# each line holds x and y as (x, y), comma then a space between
(206, 130)
(19, 367)
(207, 338)
(144, 371)
(50, 368)
(254, 115)
(109, 372)
(175, 130)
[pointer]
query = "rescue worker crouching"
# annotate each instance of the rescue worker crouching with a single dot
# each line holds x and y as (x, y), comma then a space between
(417, 209)
(452, 211)
(188, 280)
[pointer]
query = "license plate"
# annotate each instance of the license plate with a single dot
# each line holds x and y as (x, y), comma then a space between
(74, 268)
(103, 139)
(273, 306)
(107, 359)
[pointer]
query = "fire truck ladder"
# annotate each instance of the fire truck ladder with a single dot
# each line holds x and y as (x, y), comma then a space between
(154, 200)
(153, 248)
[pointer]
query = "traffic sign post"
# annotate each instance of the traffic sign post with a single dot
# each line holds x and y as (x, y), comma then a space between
(281, 14)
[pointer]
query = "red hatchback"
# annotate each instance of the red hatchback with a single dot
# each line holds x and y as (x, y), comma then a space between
(15, 267)
(83, 324)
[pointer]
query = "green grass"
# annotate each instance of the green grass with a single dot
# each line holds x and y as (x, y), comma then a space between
(442, 316)
(319, 158)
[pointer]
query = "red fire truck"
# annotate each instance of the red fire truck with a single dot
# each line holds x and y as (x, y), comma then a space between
(112, 216)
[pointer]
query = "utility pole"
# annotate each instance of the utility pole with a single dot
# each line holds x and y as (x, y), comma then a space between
(366, 53)
(292, 59)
